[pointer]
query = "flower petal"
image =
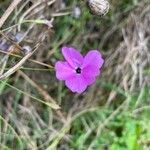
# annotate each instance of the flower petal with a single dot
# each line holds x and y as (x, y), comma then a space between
(76, 83)
(90, 71)
(63, 70)
(94, 59)
(89, 79)
(72, 56)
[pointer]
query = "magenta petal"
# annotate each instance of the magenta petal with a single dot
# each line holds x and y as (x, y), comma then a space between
(89, 79)
(93, 59)
(63, 70)
(75, 80)
(72, 56)
(90, 71)
(76, 83)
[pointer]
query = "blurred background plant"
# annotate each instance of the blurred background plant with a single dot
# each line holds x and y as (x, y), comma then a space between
(112, 114)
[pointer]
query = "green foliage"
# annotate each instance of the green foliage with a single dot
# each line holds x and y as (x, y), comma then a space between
(124, 132)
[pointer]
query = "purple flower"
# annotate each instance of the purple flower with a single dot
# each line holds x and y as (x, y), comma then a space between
(77, 71)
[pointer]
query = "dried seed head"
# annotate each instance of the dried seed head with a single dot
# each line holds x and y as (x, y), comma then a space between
(98, 7)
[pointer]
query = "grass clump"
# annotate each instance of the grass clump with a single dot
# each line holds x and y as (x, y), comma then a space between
(39, 113)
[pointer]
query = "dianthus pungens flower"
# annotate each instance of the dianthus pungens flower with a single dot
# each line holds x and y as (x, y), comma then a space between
(77, 71)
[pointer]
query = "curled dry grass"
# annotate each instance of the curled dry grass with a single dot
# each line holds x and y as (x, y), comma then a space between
(132, 53)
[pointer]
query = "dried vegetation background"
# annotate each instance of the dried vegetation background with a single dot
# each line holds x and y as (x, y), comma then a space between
(37, 112)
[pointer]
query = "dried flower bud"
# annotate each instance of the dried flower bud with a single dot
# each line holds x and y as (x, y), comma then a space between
(7, 46)
(98, 7)
(11, 44)
(26, 49)
(14, 49)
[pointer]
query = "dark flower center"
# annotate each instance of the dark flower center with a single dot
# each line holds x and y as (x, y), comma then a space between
(78, 70)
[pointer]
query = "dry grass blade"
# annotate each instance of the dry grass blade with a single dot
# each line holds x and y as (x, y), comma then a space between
(9, 11)
(23, 60)
(15, 133)
(31, 60)
(16, 67)
(35, 9)
(46, 96)
(51, 105)
(60, 135)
